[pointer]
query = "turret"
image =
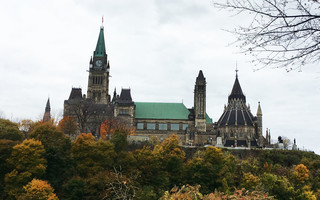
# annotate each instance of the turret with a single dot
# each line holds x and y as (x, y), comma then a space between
(200, 102)
(259, 120)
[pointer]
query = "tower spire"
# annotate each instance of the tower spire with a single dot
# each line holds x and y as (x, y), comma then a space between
(47, 115)
(100, 48)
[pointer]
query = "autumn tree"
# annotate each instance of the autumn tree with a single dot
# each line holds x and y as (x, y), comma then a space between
(209, 168)
(301, 173)
(281, 33)
(38, 190)
(57, 147)
(27, 161)
(10, 131)
(92, 156)
(153, 176)
(26, 126)
(111, 125)
(68, 126)
(171, 157)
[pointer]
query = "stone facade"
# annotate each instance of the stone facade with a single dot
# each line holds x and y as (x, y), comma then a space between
(236, 127)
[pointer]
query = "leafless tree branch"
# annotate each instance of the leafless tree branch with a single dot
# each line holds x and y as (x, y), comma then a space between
(282, 33)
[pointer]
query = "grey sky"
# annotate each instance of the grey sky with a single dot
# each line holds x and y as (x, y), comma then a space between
(156, 48)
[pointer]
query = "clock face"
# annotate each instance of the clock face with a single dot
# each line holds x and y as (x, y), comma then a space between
(99, 63)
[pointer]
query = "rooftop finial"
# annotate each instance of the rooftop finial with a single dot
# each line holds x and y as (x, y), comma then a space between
(102, 21)
(237, 69)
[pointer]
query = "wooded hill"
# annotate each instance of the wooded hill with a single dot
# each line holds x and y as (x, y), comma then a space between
(49, 165)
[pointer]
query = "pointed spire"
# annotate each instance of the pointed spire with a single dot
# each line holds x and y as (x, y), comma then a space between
(47, 115)
(91, 61)
(100, 48)
(48, 106)
(200, 76)
(236, 92)
(259, 112)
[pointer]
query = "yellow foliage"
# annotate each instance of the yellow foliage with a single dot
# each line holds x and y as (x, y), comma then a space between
(249, 181)
(301, 173)
(38, 190)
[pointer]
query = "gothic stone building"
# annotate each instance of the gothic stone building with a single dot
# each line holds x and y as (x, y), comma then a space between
(236, 127)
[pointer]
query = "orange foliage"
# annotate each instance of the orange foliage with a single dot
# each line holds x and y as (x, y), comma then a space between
(68, 125)
(301, 172)
(267, 167)
(111, 125)
(38, 190)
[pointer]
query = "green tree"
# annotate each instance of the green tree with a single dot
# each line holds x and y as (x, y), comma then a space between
(10, 131)
(6, 147)
(119, 139)
(73, 189)
(28, 161)
(38, 190)
(57, 147)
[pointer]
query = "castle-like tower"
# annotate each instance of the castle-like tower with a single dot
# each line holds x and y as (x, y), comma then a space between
(98, 83)
(47, 115)
(200, 103)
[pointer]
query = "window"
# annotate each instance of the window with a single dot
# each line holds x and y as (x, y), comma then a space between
(163, 126)
(151, 126)
(184, 126)
(140, 126)
(123, 112)
(175, 127)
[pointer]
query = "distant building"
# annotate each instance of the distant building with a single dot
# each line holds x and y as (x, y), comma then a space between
(236, 127)
(47, 115)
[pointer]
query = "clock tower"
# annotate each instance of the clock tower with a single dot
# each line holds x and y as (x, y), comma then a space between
(98, 83)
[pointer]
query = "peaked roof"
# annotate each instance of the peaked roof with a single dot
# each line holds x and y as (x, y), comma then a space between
(236, 92)
(100, 48)
(48, 105)
(125, 97)
(76, 93)
(200, 76)
(259, 111)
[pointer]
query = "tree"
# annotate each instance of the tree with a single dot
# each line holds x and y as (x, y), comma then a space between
(38, 190)
(27, 160)
(68, 125)
(25, 125)
(171, 157)
(57, 147)
(301, 173)
(10, 130)
(119, 139)
(92, 157)
(281, 33)
(6, 147)
(111, 125)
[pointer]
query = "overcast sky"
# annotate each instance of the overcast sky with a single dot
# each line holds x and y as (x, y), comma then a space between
(156, 48)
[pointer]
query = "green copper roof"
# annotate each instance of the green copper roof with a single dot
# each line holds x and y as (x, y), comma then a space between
(208, 119)
(100, 48)
(161, 110)
(151, 110)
